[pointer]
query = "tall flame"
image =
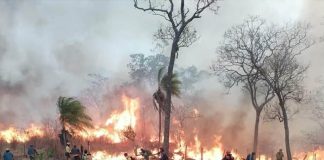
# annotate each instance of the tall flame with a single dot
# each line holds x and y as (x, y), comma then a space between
(117, 122)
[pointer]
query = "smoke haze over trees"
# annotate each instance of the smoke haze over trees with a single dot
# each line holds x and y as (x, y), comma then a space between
(48, 49)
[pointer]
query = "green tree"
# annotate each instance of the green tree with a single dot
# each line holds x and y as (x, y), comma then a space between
(72, 115)
(159, 94)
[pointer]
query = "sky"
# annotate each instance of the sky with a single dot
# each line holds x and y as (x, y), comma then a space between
(48, 48)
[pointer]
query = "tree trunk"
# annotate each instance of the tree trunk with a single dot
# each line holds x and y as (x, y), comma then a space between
(256, 132)
(64, 135)
(160, 124)
(167, 118)
(286, 126)
(201, 153)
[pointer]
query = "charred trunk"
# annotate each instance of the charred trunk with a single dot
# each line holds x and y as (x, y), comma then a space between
(256, 132)
(286, 126)
(167, 117)
(64, 135)
(160, 124)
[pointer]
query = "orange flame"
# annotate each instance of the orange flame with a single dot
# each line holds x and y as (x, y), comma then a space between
(11, 134)
(317, 154)
(117, 122)
(101, 155)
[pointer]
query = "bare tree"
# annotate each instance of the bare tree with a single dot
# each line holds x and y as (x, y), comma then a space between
(243, 46)
(281, 70)
(315, 137)
(178, 32)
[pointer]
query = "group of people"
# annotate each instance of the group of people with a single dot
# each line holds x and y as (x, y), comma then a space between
(80, 154)
(252, 156)
(31, 153)
(228, 156)
(146, 154)
(279, 156)
(75, 153)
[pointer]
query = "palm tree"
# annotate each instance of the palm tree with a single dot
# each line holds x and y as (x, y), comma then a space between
(159, 94)
(72, 115)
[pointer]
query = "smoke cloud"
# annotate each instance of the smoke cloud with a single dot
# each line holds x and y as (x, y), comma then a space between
(47, 50)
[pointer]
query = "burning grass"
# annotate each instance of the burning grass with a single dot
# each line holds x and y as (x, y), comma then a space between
(119, 134)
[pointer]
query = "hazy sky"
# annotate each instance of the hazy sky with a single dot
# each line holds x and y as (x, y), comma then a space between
(47, 47)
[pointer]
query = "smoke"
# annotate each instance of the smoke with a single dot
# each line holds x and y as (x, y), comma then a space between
(48, 49)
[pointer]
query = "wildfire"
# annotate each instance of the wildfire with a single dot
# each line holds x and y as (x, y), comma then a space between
(125, 118)
(102, 155)
(12, 134)
(196, 150)
(317, 154)
(117, 122)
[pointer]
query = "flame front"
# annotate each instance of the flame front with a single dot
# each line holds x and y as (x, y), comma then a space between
(197, 151)
(12, 134)
(116, 123)
(126, 116)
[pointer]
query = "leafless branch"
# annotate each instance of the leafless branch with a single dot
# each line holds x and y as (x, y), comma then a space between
(244, 45)
(178, 29)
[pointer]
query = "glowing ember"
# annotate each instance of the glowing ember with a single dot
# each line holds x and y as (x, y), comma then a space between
(11, 134)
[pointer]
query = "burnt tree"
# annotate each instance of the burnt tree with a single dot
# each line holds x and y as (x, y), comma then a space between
(178, 32)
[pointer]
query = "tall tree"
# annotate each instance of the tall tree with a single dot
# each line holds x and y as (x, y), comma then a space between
(281, 69)
(159, 94)
(72, 116)
(179, 33)
(244, 44)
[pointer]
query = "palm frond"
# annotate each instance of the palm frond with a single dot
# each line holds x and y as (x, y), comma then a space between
(175, 84)
(160, 75)
(155, 101)
(73, 113)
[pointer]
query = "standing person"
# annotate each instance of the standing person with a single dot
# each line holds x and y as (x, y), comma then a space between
(280, 155)
(67, 151)
(228, 156)
(251, 156)
(163, 155)
(85, 155)
(31, 152)
(8, 155)
(145, 153)
(82, 150)
(75, 153)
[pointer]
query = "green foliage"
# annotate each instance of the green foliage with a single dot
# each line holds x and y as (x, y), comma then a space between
(72, 114)
(41, 156)
(50, 153)
(175, 84)
(159, 94)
